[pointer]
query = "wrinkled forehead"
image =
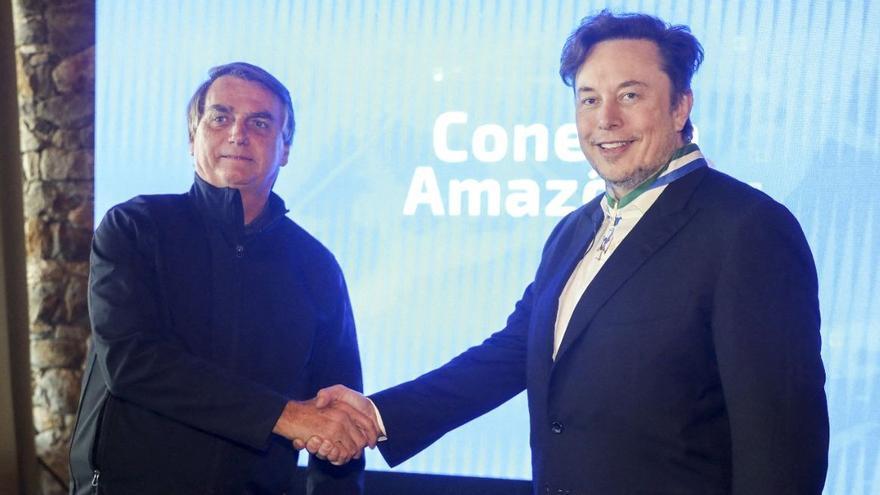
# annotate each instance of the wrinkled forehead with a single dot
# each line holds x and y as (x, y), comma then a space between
(618, 60)
(230, 91)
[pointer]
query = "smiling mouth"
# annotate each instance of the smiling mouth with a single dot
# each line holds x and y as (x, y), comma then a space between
(239, 158)
(613, 145)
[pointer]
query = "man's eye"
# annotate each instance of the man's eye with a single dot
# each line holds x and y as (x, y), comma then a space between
(219, 119)
(261, 124)
(589, 101)
(629, 96)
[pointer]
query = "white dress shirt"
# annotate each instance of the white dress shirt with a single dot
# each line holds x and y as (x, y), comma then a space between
(596, 255)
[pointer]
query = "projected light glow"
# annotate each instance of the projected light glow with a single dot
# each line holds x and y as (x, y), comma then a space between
(524, 194)
(435, 152)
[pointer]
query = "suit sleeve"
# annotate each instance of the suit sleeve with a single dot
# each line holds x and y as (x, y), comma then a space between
(336, 360)
(145, 368)
(766, 333)
(417, 413)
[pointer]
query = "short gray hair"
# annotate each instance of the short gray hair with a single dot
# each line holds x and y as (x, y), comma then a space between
(248, 72)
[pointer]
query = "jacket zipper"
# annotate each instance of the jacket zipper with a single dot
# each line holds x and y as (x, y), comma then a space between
(99, 429)
(89, 370)
(96, 475)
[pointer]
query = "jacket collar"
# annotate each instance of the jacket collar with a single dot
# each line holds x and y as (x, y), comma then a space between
(667, 216)
(222, 206)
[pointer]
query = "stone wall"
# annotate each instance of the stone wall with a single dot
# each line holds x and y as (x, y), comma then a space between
(55, 55)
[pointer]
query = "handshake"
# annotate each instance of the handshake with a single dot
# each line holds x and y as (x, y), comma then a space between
(335, 426)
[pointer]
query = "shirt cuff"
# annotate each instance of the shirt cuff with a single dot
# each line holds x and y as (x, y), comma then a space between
(382, 435)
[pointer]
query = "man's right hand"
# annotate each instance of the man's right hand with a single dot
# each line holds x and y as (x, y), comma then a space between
(344, 429)
(340, 393)
(335, 396)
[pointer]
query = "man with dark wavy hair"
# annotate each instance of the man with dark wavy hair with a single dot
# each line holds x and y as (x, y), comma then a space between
(215, 318)
(669, 342)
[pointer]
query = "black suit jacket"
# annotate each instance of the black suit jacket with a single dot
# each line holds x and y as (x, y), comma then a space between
(691, 364)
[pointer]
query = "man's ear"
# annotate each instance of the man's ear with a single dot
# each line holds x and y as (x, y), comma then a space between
(682, 110)
(285, 155)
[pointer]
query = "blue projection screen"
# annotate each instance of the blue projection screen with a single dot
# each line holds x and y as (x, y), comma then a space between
(405, 110)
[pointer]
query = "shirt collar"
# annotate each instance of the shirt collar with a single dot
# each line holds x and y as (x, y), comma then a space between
(635, 208)
(642, 197)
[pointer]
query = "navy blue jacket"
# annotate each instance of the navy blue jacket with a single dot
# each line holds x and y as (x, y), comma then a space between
(202, 330)
(691, 364)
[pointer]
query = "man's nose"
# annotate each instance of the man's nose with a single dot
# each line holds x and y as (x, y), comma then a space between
(609, 116)
(238, 133)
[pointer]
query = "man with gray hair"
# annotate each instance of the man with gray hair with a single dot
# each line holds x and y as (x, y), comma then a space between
(215, 317)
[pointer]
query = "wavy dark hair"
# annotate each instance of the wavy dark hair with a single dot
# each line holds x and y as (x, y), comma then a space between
(682, 54)
(248, 72)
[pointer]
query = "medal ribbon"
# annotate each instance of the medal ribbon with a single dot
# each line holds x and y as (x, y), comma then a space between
(656, 180)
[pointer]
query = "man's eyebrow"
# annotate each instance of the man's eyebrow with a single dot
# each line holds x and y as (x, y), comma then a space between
(631, 83)
(261, 115)
(220, 108)
(625, 84)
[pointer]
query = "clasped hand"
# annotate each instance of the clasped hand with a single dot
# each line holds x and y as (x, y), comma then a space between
(335, 426)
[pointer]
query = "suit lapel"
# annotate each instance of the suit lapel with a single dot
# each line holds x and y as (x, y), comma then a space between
(571, 249)
(665, 217)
